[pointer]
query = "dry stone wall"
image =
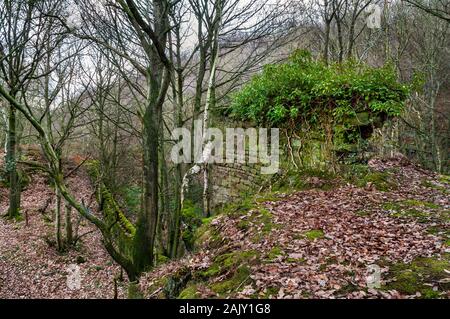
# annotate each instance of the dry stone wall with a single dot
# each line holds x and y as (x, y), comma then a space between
(230, 181)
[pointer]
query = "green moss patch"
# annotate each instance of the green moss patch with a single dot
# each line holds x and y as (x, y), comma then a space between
(445, 179)
(304, 179)
(382, 181)
(362, 176)
(271, 292)
(190, 292)
(133, 291)
(228, 273)
(274, 253)
(227, 262)
(362, 213)
(207, 235)
(426, 276)
(432, 185)
(234, 283)
(314, 234)
(419, 210)
(417, 203)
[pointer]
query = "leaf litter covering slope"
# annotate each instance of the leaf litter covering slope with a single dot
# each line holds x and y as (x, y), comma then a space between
(30, 268)
(350, 229)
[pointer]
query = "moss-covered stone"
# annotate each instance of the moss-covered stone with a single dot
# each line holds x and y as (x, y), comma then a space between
(176, 283)
(190, 292)
(207, 235)
(233, 284)
(155, 290)
(227, 262)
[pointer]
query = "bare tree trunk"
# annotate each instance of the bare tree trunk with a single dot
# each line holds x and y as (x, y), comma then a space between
(68, 224)
(175, 231)
(11, 168)
(5, 120)
(210, 99)
(148, 217)
(58, 218)
(326, 44)
(340, 40)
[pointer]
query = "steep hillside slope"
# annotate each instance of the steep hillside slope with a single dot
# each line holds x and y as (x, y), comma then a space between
(319, 243)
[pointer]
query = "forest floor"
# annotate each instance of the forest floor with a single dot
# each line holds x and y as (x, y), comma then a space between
(318, 242)
(31, 267)
(324, 242)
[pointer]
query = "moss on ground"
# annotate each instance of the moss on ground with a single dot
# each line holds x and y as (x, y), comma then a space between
(294, 179)
(155, 290)
(314, 234)
(233, 284)
(362, 175)
(271, 292)
(444, 179)
(418, 203)
(263, 219)
(382, 181)
(133, 291)
(274, 253)
(190, 292)
(228, 273)
(420, 210)
(206, 234)
(426, 276)
(362, 213)
(268, 197)
(428, 184)
(226, 262)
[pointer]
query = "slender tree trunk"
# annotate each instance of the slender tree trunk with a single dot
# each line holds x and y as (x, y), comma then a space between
(5, 120)
(175, 228)
(326, 45)
(68, 224)
(206, 193)
(58, 218)
(165, 198)
(351, 35)
(340, 40)
(11, 168)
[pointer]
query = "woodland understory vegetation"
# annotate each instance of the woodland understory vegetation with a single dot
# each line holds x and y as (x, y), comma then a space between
(90, 92)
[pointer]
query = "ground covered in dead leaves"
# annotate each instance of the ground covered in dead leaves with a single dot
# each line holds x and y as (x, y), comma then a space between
(324, 243)
(319, 242)
(30, 267)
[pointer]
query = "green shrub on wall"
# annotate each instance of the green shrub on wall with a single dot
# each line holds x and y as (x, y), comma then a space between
(303, 89)
(343, 101)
